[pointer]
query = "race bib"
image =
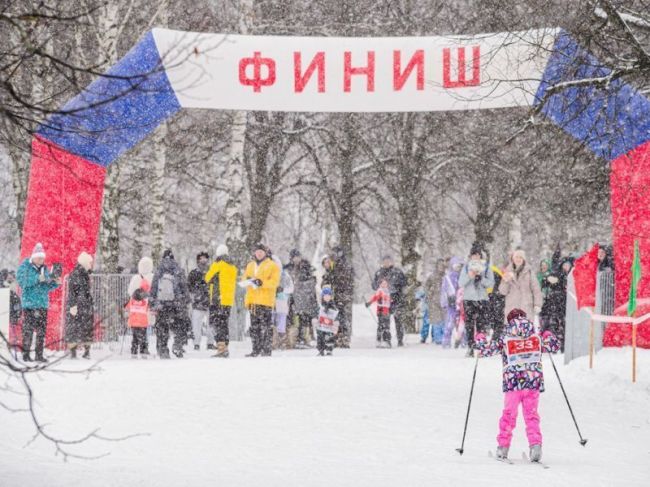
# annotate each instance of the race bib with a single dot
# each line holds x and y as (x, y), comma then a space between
(327, 322)
(520, 351)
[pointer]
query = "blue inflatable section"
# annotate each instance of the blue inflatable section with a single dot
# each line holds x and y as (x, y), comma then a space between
(610, 120)
(117, 110)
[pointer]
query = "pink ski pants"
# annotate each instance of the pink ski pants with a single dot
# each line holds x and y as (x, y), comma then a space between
(529, 399)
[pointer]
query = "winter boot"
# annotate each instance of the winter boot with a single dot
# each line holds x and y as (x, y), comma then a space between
(73, 352)
(282, 341)
(536, 453)
(502, 452)
(40, 358)
(211, 346)
(86, 354)
(178, 352)
(222, 350)
(27, 358)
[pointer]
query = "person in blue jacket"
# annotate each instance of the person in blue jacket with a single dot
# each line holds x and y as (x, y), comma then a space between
(36, 284)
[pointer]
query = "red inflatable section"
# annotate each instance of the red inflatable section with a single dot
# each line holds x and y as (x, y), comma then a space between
(63, 212)
(630, 200)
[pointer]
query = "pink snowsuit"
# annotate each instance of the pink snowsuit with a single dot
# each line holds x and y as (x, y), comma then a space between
(523, 379)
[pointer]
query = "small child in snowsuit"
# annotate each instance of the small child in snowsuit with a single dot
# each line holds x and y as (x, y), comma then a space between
(382, 298)
(326, 325)
(523, 379)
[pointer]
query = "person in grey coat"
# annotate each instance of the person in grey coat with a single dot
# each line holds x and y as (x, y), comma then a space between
(304, 300)
(475, 279)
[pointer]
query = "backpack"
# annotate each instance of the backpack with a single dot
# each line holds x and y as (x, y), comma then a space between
(166, 288)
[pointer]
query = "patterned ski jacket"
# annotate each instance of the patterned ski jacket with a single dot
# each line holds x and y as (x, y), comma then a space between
(521, 351)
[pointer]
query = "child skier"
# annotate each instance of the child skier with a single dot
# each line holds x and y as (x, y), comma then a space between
(382, 298)
(326, 325)
(523, 380)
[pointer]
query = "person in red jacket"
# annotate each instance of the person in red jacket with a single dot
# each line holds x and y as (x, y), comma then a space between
(383, 300)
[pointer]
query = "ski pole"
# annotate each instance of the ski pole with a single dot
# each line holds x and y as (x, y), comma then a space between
(461, 450)
(469, 405)
(583, 441)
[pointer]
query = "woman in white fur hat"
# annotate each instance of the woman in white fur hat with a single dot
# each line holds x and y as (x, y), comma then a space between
(79, 325)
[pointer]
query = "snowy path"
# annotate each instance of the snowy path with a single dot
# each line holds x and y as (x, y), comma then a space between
(364, 417)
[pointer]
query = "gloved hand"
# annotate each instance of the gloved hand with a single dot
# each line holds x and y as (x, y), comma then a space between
(280, 289)
(547, 338)
(257, 282)
(367, 305)
(537, 310)
(552, 279)
(73, 311)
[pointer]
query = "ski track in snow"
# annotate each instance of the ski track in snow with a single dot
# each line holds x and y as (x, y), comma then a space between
(364, 417)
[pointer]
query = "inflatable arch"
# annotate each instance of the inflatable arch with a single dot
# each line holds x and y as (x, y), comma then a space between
(169, 70)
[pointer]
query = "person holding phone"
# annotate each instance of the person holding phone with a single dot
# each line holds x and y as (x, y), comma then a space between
(36, 284)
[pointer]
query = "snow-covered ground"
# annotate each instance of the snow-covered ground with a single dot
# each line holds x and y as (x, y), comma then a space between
(364, 417)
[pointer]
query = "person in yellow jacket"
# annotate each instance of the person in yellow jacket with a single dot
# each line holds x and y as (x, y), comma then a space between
(261, 280)
(222, 282)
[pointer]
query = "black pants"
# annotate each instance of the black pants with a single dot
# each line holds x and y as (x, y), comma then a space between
(138, 340)
(477, 314)
(261, 329)
(304, 323)
(170, 319)
(383, 328)
(324, 341)
(35, 320)
(219, 316)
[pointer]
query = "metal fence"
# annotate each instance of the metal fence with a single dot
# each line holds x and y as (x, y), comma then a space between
(110, 294)
(578, 321)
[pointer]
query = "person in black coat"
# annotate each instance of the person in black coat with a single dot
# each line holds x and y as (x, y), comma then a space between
(200, 295)
(80, 313)
(396, 284)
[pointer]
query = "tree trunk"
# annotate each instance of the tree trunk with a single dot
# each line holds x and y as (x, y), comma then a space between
(158, 193)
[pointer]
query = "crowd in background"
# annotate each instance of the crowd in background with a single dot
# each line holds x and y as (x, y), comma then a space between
(464, 297)
(286, 305)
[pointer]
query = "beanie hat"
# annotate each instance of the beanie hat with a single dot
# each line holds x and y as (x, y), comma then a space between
(326, 291)
(38, 251)
(202, 254)
(477, 248)
(222, 250)
(294, 253)
(516, 313)
(85, 260)
(260, 246)
(387, 257)
(168, 254)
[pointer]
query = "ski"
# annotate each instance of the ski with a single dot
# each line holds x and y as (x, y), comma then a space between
(502, 460)
(525, 457)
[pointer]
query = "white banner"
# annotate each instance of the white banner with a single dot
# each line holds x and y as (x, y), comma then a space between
(338, 74)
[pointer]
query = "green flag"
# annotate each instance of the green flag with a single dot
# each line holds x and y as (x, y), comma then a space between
(634, 283)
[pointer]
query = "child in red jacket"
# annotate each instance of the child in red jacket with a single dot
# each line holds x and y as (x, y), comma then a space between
(382, 298)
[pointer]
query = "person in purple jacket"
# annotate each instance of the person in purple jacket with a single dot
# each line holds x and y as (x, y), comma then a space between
(523, 379)
(448, 290)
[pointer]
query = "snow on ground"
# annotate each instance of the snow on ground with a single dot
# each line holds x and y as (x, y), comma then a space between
(364, 417)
